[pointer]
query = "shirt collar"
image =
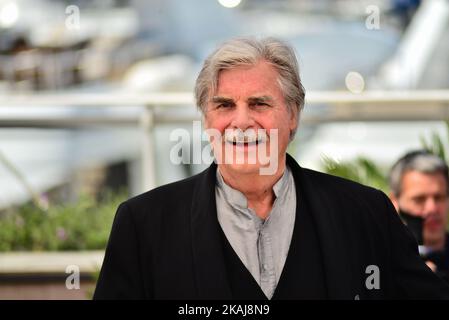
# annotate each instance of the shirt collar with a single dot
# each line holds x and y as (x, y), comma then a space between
(238, 199)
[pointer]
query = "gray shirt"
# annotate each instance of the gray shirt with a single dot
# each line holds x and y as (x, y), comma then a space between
(262, 245)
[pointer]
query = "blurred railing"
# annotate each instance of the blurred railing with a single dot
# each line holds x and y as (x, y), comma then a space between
(334, 106)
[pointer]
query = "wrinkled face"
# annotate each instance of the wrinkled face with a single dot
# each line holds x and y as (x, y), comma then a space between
(247, 100)
(425, 195)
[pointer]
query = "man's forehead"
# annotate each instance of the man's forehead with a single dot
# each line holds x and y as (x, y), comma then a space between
(420, 182)
(251, 98)
(428, 176)
(262, 75)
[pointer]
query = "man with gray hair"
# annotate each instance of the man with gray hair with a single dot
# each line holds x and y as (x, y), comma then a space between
(419, 183)
(256, 225)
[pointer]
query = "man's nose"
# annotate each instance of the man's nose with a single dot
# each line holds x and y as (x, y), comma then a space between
(242, 118)
(430, 207)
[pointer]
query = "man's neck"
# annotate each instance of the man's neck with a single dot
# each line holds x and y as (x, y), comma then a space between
(257, 189)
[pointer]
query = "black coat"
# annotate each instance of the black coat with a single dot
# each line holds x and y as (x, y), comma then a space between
(165, 243)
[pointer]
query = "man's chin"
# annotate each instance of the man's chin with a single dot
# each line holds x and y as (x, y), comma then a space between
(434, 233)
(242, 168)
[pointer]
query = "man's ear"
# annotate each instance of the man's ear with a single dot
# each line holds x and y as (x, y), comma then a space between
(394, 200)
(204, 120)
(294, 118)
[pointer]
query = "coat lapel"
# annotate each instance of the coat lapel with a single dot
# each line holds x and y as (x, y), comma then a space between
(209, 265)
(330, 233)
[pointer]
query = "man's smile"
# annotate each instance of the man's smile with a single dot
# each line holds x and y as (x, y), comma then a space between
(245, 138)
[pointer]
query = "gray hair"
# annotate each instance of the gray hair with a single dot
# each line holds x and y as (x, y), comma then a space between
(422, 161)
(247, 52)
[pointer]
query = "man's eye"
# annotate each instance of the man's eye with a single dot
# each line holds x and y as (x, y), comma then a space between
(224, 105)
(419, 200)
(259, 104)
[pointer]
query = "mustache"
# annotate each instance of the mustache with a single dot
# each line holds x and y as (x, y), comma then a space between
(245, 136)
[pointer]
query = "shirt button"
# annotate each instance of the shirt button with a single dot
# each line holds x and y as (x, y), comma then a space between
(264, 267)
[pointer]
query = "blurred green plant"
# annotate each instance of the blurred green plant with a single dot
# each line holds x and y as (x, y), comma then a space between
(436, 144)
(367, 172)
(361, 170)
(83, 225)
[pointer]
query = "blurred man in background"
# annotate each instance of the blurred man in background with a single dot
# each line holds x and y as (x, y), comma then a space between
(419, 185)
